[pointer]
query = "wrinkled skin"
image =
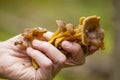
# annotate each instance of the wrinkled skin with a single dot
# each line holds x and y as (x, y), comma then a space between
(15, 62)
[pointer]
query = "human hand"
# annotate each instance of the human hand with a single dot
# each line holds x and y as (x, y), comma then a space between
(15, 62)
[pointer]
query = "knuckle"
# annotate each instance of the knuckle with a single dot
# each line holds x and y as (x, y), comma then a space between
(76, 48)
(48, 64)
(62, 60)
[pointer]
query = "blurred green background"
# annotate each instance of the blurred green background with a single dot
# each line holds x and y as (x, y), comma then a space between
(15, 15)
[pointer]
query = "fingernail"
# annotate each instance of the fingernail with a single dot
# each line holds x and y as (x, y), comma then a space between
(36, 42)
(66, 44)
(29, 49)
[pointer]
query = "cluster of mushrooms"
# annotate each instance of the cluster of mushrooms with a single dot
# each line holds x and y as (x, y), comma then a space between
(87, 33)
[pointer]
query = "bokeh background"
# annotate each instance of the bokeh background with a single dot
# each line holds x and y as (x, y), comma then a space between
(15, 15)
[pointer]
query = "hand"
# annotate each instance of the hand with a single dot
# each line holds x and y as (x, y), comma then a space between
(15, 63)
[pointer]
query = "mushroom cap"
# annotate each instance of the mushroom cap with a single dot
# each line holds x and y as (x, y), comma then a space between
(92, 33)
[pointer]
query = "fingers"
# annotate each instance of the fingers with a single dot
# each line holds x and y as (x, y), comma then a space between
(71, 46)
(75, 51)
(40, 58)
(45, 64)
(47, 35)
(49, 50)
(92, 49)
(76, 47)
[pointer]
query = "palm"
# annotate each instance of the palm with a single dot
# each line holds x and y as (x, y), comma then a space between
(16, 65)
